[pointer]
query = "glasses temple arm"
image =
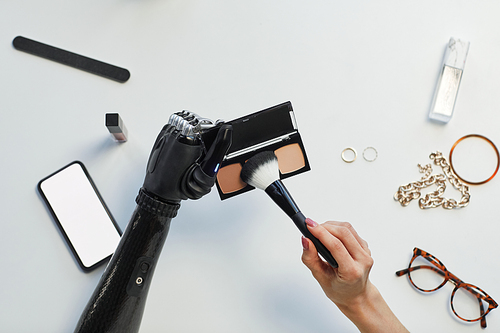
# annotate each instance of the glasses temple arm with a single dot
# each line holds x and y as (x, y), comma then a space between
(483, 317)
(414, 268)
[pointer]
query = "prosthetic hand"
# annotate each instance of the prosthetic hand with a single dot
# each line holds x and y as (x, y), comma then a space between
(174, 172)
(180, 167)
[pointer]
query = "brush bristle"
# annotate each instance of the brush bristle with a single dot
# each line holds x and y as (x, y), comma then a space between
(261, 170)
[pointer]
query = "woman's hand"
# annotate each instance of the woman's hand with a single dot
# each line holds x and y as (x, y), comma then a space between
(349, 282)
(348, 285)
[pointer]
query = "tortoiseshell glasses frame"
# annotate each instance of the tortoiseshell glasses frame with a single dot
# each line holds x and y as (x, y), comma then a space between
(440, 269)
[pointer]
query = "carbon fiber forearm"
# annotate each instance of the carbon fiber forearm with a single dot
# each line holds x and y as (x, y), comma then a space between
(118, 302)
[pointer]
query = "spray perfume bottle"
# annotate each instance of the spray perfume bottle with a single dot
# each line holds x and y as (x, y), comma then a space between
(449, 80)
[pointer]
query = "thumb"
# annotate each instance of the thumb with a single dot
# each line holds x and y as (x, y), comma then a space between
(311, 259)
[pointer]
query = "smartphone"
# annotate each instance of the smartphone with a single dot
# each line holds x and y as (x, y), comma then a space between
(81, 214)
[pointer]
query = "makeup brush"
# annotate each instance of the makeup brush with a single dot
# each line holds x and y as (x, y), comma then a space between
(262, 171)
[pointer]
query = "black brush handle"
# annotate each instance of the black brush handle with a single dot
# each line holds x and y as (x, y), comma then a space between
(300, 221)
(280, 195)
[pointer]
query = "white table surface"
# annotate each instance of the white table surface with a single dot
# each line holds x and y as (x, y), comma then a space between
(358, 73)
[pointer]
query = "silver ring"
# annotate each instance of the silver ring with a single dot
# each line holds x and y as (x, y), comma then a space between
(373, 159)
(343, 155)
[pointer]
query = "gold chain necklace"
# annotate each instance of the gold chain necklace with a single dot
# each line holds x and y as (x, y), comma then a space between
(407, 193)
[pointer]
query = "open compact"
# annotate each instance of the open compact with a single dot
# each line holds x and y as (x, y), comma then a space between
(273, 129)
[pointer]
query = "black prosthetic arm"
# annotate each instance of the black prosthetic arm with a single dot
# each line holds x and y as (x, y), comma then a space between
(180, 167)
(118, 302)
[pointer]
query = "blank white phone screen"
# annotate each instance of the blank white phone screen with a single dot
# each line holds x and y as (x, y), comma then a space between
(81, 214)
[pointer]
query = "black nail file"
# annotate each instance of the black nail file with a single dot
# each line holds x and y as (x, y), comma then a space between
(71, 59)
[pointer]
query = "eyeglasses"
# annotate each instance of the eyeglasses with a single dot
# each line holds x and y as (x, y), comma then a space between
(464, 298)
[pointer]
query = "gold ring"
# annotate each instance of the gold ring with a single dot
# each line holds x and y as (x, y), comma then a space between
(373, 159)
(345, 159)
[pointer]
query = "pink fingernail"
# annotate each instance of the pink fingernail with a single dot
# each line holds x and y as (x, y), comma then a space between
(305, 243)
(311, 223)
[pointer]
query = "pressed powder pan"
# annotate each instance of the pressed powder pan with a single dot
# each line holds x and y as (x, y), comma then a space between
(229, 179)
(290, 158)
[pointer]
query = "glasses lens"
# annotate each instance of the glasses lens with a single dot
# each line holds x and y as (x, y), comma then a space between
(466, 302)
(425, 275)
